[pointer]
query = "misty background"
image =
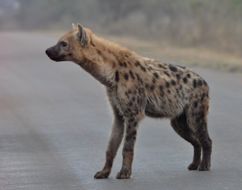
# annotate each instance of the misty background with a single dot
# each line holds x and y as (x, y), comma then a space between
(211, 24)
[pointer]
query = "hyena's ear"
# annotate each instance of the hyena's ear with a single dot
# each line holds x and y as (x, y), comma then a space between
(82, 36)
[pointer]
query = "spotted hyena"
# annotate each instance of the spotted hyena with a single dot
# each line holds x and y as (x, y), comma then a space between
(137, 87)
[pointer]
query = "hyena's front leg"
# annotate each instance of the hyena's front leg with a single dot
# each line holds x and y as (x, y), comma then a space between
(128, 149)
(113, 145)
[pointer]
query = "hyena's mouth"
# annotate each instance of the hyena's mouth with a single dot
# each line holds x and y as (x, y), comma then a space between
(57, 58)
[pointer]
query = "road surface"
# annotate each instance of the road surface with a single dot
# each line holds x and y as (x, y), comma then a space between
(55, 122)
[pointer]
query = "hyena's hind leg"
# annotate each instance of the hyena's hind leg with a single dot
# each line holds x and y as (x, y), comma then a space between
(113, 145)
(180, 125)
(197, 120)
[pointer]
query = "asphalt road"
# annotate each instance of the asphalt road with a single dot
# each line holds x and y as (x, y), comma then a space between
(55, 122)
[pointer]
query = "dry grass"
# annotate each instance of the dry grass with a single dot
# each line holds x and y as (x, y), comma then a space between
(185, 56)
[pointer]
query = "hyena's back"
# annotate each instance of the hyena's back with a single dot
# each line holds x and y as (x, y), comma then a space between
(169, 89)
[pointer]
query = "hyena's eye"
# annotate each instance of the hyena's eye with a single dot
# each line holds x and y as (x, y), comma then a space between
(63, 44)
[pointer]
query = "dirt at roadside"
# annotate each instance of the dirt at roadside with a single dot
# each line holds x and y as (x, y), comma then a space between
(186, 56)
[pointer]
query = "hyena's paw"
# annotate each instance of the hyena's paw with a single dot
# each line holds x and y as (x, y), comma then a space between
(103, 174)
(124, 173)
(193, 166)
(204, 166)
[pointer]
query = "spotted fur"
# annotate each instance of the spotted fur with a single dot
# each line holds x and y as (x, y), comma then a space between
(138, 87)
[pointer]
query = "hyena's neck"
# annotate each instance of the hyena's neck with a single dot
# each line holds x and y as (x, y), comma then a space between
(104, 58)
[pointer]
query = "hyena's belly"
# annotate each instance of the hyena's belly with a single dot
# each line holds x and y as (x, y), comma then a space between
(164, 108)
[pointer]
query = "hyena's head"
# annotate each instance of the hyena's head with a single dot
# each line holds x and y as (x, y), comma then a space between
(72, 46)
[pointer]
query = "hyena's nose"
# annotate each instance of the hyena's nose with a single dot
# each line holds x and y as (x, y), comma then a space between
(47, 52)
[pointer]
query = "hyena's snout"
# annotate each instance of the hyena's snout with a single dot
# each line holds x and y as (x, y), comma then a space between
(54, 53)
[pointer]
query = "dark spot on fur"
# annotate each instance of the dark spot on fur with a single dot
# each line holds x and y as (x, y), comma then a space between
(173, 82)
(172, 68)
(123, 64)
(156, 75)
(116, 76)
(137, 76)
(167, 84)
(161, 66)
(161, 88)
(203, 96)
(152, 87)
(138, 101)
(143, 68)
(194, 83)
(126, 76)
(178, 76)
(137, 63)
(141, 90)
(153, 80)
(195, 104)
(130, 104)
(131, 120)
(139, 79)
(185, 80)
(99, 52)
(131, 74)
(199, 83)
(188, 75)
(166, 73)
